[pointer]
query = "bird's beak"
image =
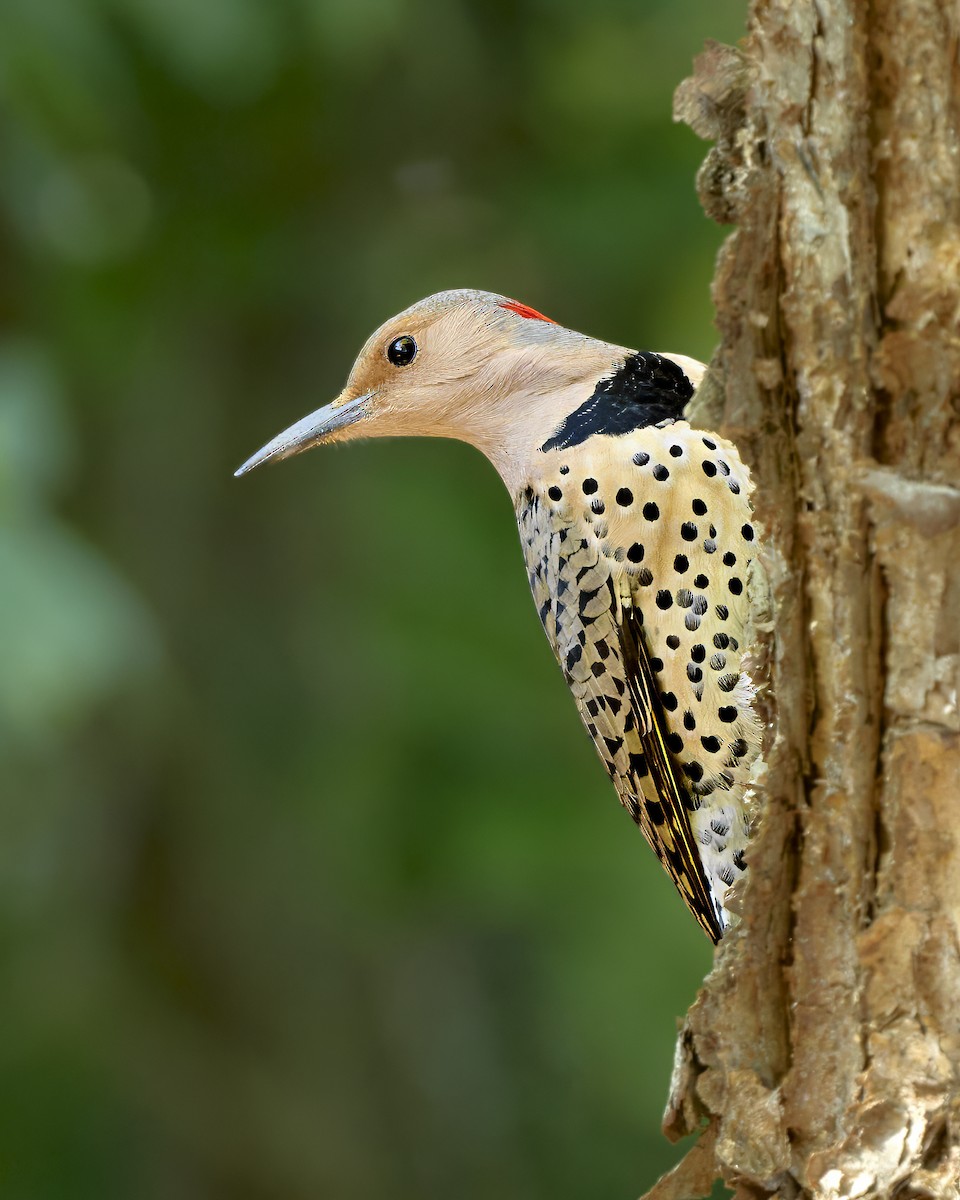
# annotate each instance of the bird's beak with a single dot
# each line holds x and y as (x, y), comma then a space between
(310, 431)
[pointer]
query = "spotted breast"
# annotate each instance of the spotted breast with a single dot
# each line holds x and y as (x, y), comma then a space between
(638, 545)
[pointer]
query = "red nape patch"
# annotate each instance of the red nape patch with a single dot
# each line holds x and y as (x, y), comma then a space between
(523, 310)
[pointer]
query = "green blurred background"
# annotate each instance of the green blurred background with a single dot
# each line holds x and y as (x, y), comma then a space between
(311, 884)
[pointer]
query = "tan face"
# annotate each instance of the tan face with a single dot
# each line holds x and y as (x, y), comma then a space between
(464, 364)
(424, 368)
(415, 376)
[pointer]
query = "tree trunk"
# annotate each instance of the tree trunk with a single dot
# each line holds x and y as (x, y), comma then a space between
(823, 1052)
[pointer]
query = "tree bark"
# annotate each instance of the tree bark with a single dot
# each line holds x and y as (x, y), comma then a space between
(822, 1057)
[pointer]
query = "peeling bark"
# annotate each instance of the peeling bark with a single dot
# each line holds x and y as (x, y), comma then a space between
(823, 1052)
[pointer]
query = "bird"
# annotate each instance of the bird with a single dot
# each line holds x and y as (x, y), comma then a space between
(637, 532)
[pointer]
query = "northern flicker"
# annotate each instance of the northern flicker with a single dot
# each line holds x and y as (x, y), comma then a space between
(637, 534)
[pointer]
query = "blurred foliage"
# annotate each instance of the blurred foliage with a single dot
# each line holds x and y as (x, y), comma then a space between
(311, 883)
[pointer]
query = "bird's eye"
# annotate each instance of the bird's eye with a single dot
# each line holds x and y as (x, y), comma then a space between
(402, 350)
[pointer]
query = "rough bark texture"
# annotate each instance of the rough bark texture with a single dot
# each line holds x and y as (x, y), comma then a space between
(823, 1054)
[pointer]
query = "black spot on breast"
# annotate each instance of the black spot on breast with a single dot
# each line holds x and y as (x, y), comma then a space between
(701, 581)
(598, 507)
(624, 497)
(645, 389)
(664, 600)
(660, 473)
(669, 701)
(589, 486)
(694, 673)
(555, 494)
(709, 445)
(676, 451)
(673, 641)
(681, 563)
(738, 748)
(699, 508)
(641, 458)
(645, 576)
(693, 771)
(729, 559)
(688, 531)
(735, 586)
(656, 664)
(635, 553)
(674, 742)
(698, 653)
(564, 470)
(721, 641)
(727, 714)
(711, 744)
(650, 511)
(689, 720)
(747, 533)
(709, 468)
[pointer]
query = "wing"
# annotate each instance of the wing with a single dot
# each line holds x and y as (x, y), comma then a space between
(583, 599)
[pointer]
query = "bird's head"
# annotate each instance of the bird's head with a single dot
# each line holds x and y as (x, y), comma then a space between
(462, 364)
